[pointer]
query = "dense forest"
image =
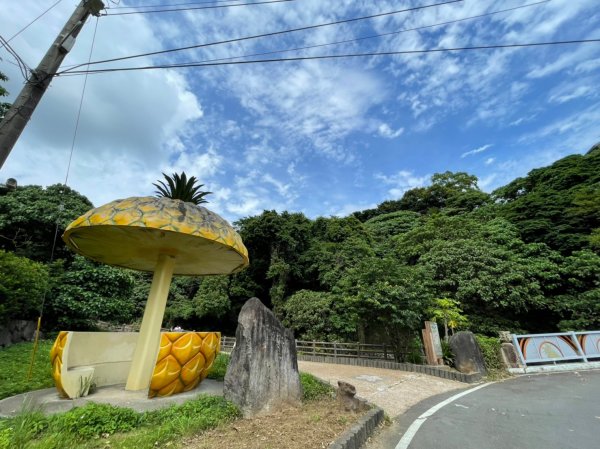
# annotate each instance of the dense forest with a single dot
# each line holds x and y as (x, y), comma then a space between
(524, 258)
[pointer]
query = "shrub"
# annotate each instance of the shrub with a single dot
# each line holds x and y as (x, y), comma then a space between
(23, 283)
(415, 352)
(313, 388)
(490, 348)
(219, 367)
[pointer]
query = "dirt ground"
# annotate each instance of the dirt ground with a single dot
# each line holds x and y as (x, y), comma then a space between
(393, 391)
(314, 426)
(317, 424)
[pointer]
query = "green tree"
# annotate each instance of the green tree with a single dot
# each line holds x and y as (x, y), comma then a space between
(578, 298)
(558, 205)
(23, 284)
(384, 227)
(385, 294)
(28, 218)
(87, 292)
(499, 280)
(449, 312)
(275, 242)
(319, 316)
(212, 298)
(4, 107)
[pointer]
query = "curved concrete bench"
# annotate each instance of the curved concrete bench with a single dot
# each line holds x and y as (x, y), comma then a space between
(82, 359)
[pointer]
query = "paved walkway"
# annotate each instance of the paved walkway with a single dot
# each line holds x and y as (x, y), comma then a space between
(49, 402)
(394, 391)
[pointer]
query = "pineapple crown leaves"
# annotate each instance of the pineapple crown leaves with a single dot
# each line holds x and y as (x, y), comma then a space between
(179, 187)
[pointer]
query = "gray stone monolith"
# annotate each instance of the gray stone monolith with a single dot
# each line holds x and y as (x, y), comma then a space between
(263, 370)
(467, 354)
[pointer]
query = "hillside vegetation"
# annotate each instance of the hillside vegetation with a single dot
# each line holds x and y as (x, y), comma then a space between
(523, 258)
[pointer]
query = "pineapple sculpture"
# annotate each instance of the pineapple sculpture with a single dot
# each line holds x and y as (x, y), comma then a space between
(167, 234)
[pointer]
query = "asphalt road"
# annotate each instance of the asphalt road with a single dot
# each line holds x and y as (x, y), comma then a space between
(555, 411)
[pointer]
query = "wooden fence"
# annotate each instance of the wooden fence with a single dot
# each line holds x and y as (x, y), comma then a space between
(358, 354)
(332, 349)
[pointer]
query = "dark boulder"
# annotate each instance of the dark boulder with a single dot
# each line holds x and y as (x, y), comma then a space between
(263, 370)
(467, 354)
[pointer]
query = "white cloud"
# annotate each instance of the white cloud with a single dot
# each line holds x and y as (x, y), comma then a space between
(490, 160)
(387, 132)
(476, 150)
(130, 123)
(401, 182)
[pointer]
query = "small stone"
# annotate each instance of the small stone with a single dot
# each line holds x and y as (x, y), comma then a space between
(346, 396)
(467, 354)
(263, 370)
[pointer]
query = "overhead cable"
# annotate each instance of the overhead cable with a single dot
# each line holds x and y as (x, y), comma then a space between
(373, 36)
(172, 5)
(33, 21)
(348, 55)
(192, 8)
(273, 33)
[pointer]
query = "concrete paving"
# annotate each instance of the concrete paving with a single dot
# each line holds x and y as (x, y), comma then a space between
(550, 411)
(49, 402)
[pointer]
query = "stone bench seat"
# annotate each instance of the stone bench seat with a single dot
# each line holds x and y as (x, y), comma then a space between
(81, 360)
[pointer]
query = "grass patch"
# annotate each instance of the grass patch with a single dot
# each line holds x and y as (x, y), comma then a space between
(490, 349)
(105, 426)
(219, 368)
(313, 388)
(14, 366)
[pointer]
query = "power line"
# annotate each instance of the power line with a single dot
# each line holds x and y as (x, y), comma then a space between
(377, 35)
(349, 55)
(32, 22)
(80, 106)
(23, 67)
(210, 2)
(274, 33)
(152, 11)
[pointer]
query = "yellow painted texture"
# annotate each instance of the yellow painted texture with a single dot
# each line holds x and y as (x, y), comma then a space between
(132, 232)
(56, 355)
(183, 361)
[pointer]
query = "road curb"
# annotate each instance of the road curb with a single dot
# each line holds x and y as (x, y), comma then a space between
(359, 433)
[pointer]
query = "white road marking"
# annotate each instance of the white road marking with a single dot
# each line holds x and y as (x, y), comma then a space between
(417, 423)
(460, 405)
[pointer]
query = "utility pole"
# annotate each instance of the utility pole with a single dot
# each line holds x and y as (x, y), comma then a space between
(20, 113)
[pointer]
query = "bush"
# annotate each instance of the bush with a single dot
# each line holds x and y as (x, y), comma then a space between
(94, 420)
(23, 283)
(415, 352)
(313, 388)
(86, 292)
(490, 348)
(219, 367)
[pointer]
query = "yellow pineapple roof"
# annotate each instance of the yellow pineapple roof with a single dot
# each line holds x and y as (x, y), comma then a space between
(131, 233)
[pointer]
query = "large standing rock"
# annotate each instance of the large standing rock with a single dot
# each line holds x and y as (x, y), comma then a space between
(467, 354)
(263, 370)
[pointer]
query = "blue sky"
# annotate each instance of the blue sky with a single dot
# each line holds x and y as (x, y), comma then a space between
(320, 137)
